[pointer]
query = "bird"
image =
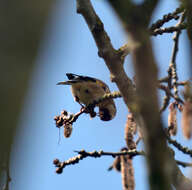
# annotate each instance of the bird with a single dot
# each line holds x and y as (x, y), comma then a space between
(86, 90)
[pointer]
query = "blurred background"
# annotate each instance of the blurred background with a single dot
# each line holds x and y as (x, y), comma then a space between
(40, 42)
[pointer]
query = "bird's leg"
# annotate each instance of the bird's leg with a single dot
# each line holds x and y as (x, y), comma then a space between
(88, 109)
(91, 111)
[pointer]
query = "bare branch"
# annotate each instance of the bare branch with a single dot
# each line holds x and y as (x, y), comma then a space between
(66, 119)
(184, 164)
(136, 23)
(183, 149)
(166, 101)
(168, 29)
(166, 18)
(172, 71)
(169, 93)
(96, 154)
(113, 58)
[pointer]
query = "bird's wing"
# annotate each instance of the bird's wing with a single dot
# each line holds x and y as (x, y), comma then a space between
(80, 78)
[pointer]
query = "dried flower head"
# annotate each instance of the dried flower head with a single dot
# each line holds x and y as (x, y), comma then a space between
(116, 164)
(186, 121)
(67, 130)
(130, 130)
(127, 171)
(172, 119)
(188, 91)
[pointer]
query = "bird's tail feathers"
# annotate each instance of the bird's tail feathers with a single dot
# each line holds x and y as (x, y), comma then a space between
(66, 83)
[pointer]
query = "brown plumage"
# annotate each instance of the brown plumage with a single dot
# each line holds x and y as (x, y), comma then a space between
(86, 90)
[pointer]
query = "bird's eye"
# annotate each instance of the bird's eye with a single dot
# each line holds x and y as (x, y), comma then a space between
(87, 91)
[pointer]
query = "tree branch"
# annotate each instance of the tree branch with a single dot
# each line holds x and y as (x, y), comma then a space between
(172, 71)
(136, 25)
(145, 102)
(113, 58)
(96, 154)
(170, 29)
(68, 119)
(183, 149)
(166, 18)
(183, 164)
(179, 179)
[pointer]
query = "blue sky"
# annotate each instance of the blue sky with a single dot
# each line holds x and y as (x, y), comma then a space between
(68, 46)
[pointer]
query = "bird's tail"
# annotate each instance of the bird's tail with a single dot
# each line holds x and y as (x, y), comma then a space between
(66, 83)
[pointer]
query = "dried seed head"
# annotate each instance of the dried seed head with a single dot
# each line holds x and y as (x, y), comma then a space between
(180, 107)
(172, 119)
(56, 118)
(56, 161)
(59, 170)
(133, 125)
(59, 121)
(64, 112)
(188, 91)
(130, 130)
(186, 120)
(67, 130)
(117, 164)
(127, 171)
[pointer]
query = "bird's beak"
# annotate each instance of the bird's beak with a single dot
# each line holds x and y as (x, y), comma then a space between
(61, 83)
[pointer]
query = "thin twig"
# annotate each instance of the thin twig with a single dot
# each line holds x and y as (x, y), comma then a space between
(166, 18)
(183, 164)
(107, 96)
(183, 149)
(163, 80)
(169, 93)
(169, 29)
(96, 154)
(138, 140)
(166, 98)
(172, 71)
(182, 83)
(166, 101)
(113, 95)
(66, 119)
